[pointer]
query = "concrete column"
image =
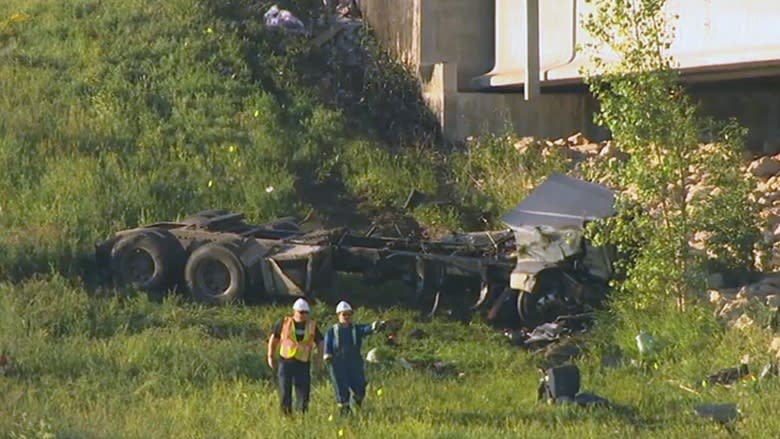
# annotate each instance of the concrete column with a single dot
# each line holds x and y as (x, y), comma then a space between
(554, 36)
(531, 82)
(510, 48)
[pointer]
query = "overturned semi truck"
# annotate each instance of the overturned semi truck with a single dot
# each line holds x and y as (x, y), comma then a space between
(537, 268)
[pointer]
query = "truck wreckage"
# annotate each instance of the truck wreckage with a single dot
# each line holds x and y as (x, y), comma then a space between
(538, 268)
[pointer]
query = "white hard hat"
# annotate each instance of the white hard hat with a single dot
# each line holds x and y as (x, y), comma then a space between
(343, 306)
(300, 305)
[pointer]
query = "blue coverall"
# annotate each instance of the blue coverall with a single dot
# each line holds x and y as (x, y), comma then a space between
(342, 346)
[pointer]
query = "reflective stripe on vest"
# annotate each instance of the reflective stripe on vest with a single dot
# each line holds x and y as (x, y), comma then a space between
(290, 347)
(336, 335)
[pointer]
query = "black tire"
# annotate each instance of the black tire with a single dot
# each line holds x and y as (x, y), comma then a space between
(148, 260)
(545, 302)
(528, 309)
(287, 224)
(214, 274)
(503, 312)
(207, 215)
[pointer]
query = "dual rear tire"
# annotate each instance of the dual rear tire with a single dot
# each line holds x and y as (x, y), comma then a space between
(154, 261)
(148, 260)
(214, 274)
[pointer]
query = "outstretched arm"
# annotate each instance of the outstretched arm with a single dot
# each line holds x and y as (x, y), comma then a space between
(370, 328)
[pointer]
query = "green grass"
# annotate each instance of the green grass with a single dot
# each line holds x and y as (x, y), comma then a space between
(115, 113)
(123, 365)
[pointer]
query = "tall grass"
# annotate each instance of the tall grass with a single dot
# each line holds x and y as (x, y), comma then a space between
(125, 366)
(115, 113)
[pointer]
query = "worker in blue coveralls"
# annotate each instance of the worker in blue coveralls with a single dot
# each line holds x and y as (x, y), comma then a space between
(342, 354)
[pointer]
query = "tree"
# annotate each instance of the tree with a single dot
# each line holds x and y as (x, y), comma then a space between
(684, 178)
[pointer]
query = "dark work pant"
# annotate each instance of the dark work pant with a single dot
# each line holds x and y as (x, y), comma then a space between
(294, 373)
(347, 375)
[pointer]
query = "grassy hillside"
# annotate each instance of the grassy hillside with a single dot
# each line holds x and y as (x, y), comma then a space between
(118, 112)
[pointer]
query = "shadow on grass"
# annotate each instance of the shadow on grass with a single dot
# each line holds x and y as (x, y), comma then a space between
(552, 417)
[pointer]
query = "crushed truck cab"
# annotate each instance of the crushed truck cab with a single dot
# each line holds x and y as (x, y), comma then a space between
(557, 269)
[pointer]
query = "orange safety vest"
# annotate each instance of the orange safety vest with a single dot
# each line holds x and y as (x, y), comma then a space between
(290, 347)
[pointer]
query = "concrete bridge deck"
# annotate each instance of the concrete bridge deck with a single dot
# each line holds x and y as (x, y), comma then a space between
(471, 58)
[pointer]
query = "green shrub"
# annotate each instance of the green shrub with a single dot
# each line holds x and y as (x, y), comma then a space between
(384, 178)
(489, 175)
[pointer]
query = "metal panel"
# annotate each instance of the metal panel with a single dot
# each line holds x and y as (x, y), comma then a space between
(562, 202)
(714, 39)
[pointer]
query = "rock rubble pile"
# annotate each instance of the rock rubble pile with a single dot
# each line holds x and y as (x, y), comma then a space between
(737, 307)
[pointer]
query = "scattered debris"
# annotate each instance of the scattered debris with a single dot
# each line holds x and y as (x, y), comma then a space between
(770, 370)
(729, 375)
(724, 413)
(372, 356)
(381, 355)
(545, 333)
(550, 332)
(558, 354)
(646, 344)
(516, 336)
(561, 385)
(276, 18)
(437, 367)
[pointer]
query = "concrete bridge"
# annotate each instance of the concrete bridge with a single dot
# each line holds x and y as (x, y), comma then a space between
(485, 65)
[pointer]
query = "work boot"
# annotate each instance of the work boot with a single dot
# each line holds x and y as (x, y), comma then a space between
(344, 409)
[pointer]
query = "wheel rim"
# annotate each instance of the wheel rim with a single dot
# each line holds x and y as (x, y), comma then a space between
(214, 277)
(138, 266)
(535, 308)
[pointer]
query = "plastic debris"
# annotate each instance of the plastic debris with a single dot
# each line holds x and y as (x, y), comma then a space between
(545, 333)
(345, 8)
(284, 19)
(729, 375)
(561, 385)
(721, 413)
(380, 355)
(435, 366)
(645, 343)
(770, 370)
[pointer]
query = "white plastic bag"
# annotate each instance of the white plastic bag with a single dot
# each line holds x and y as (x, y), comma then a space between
(284, 19)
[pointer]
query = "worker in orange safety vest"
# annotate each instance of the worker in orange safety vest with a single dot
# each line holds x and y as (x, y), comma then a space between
(295, 338)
